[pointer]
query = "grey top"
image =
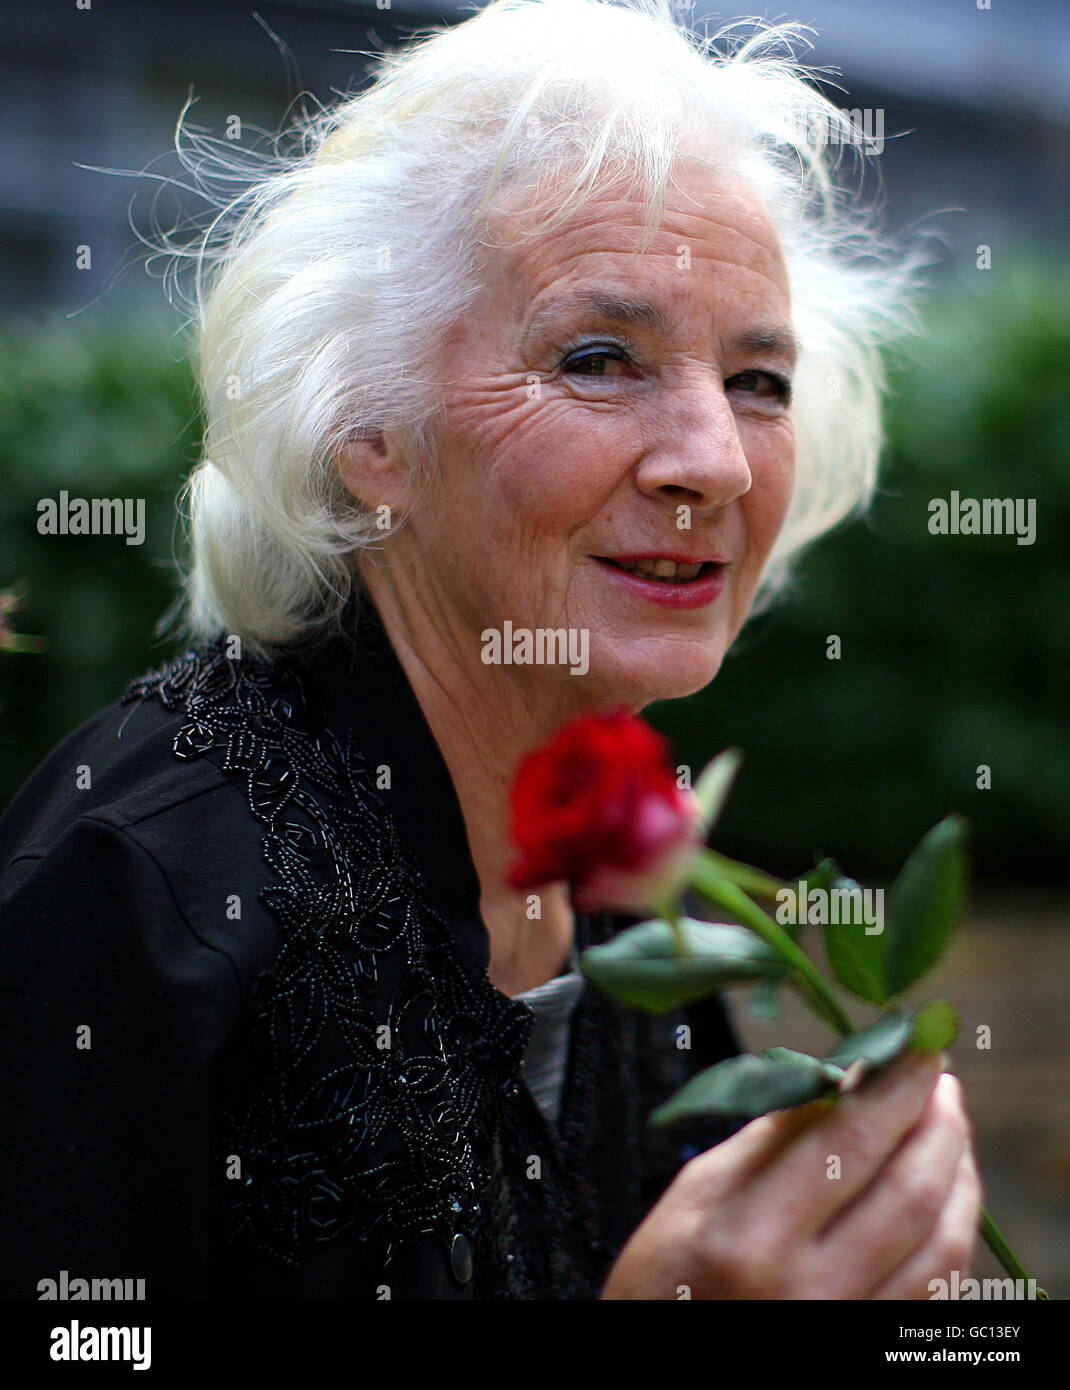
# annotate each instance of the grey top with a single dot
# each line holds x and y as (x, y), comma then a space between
(546, 1058)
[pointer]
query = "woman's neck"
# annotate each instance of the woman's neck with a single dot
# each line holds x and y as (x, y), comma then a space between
(484, 721)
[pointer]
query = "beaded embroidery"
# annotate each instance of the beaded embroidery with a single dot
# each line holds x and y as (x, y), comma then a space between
(384, 1099)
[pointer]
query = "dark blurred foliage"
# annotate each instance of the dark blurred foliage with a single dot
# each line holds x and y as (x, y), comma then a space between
(100, 411)
(956, 650)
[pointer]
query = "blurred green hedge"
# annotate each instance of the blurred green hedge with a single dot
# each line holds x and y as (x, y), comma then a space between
(956, 650)
(98, 410)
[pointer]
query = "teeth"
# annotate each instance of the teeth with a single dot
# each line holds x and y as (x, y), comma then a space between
(666, 570)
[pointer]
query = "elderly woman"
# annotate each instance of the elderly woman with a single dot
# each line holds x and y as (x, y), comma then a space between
(560, 323)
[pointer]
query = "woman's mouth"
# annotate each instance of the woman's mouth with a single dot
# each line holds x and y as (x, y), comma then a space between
(671, 581)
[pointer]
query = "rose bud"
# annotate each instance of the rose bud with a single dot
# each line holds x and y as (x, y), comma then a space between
(598, 806)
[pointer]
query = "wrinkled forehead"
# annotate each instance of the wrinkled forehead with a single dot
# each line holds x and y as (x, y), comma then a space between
(705, 210)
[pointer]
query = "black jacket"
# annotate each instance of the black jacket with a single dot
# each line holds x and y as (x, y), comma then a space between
(248, 1044)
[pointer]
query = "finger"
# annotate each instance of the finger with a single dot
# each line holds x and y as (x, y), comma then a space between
(902, 1206)
(737, 1158)
(951, 1245)
(861, 1131)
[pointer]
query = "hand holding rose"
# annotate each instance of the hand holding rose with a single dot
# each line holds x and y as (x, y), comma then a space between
(600, 807)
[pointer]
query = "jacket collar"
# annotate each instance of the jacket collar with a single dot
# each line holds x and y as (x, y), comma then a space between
(370, 697)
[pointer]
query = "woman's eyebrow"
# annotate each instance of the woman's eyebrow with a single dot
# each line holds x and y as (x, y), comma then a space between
(630, 310)
(605, 304)
(776, 338)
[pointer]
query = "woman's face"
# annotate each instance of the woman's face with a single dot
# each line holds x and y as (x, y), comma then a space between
(604, 410)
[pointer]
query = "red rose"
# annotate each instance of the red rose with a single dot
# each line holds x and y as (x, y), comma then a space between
(598, 806)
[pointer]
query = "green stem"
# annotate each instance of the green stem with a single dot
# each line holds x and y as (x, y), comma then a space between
(671, 913)
(708, 881)
(997, 1243)
(745, 876)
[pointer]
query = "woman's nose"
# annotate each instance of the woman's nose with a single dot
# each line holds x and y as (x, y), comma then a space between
(699, 458)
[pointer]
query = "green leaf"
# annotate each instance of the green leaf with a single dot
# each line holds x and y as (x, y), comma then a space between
(641, 967)
(878, 1044)
(747, 1086)
(856, 952)
(804, 1060)
(924, 905)
(714, 784)
(935, 1026)
(763, 1001)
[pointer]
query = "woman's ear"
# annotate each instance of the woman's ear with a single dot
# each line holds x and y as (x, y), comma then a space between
(373, 469)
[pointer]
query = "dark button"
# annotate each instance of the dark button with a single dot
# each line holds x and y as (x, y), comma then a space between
(461, 1259)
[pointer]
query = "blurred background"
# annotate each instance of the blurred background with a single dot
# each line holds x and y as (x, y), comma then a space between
(955, 649)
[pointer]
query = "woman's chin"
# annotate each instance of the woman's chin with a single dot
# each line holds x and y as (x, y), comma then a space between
(680, 672)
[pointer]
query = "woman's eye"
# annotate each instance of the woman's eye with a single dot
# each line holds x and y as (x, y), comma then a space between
(766, 385)
(594, 363)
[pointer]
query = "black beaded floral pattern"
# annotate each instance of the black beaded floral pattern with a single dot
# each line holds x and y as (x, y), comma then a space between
(384, 1098)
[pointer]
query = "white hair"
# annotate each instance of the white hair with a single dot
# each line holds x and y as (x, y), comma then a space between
(323, 289)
